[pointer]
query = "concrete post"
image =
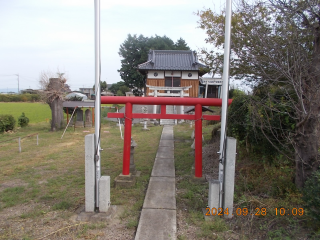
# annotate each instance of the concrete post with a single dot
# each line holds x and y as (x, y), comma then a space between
(89, 173)
(132, 165)
(104, 194)
(229, 176)
(214, 191)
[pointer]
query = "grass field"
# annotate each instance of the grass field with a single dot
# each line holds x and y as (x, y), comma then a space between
(43, 186)
(36, 112)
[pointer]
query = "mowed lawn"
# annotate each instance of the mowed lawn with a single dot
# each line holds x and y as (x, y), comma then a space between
(36, 112)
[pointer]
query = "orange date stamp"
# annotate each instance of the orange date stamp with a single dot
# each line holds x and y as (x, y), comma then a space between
(256, 212)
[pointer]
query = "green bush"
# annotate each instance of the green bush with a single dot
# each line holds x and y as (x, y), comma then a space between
(23, 120)
(311, 196)
(27, 97)
(7, 123)
(263, 122)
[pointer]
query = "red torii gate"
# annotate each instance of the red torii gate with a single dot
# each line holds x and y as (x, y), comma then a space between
(163, 101)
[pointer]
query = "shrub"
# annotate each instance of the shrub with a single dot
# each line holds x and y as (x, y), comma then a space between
(23, 120)
(19, 97)
(7, 123)
(311, 196)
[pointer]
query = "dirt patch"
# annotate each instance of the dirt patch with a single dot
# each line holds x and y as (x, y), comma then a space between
(12, 183)
(38, 221)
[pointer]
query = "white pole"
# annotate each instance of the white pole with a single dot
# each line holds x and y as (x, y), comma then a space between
(225, 90)
(97, 104)
(206, 90)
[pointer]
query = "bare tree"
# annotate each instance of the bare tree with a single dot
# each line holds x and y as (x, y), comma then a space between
(54, 91)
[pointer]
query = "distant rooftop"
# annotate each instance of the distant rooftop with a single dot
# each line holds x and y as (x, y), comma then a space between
(171, 60)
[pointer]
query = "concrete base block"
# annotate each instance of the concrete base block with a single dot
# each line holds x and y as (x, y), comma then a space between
(125, 181)
(198, 179)
(94, 217)
(89, 173)
(104, 194)
(214, 191)
(145, 129)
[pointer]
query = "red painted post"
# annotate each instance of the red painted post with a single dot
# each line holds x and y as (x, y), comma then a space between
(198, 141)
(127, 139)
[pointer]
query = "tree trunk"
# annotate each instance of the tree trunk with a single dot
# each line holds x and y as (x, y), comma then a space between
(307, 145)
(55, 102)
(57, 120)
(308, 133)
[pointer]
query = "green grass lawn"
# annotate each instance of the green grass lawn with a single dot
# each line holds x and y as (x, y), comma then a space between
(36, 112)
(44, 185)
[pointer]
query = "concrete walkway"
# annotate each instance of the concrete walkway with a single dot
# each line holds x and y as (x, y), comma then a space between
(158, 216)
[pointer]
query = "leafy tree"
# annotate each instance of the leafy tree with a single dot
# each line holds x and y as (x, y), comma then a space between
(134, 51)
(103, 86)
(276, 44)
(181, 45)
(116, 86)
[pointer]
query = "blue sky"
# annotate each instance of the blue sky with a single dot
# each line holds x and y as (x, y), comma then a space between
(41, 35)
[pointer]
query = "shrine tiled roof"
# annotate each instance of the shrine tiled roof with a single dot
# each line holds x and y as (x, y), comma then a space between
(172, 60)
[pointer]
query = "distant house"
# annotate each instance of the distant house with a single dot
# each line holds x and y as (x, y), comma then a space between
(89, 92)
(173, 68)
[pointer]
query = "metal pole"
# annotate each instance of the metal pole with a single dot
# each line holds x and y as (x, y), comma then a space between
(127, 139)
(206, 90)
(198, 141)
(98, 95)
(225, 91)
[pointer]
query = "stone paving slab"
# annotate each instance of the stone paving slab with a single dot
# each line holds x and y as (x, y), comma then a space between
(163, 167)
(166, 136)
(161, 193)
(157, 224)
(166, 143)
(165, 152)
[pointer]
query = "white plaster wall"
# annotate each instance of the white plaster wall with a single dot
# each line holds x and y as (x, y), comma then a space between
(173, 73)
(185, 75)
(151, 74)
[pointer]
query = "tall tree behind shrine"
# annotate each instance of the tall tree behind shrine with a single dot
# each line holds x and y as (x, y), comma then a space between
(134, 51)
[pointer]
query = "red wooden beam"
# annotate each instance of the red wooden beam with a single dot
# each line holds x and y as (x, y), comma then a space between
(164, 116)
(163, 101)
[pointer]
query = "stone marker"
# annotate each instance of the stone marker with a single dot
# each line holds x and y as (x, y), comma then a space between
(79, 119)
(88, 114)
